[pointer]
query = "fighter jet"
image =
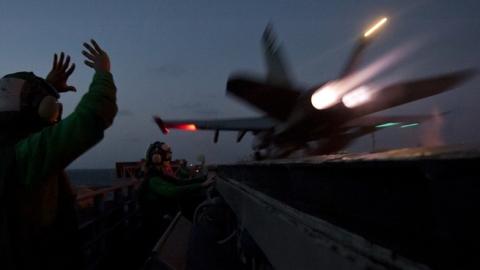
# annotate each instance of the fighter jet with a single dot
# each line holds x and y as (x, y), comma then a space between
(324, 118)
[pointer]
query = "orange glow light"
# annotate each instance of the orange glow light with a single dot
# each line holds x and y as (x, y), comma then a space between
(187, 127)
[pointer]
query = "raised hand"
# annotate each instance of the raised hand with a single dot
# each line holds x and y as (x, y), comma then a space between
(60, 72)
(97, 58)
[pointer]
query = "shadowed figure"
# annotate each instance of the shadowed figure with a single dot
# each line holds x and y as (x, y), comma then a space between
(37, 217)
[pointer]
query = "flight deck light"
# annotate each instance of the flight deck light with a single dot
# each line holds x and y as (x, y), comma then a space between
(375, 27)
(410, 125)
(388, 124)
(187, 127)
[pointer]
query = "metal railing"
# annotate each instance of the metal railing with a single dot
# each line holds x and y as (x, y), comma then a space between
(106, 216)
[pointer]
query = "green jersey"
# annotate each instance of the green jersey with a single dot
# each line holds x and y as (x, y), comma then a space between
(43, 200)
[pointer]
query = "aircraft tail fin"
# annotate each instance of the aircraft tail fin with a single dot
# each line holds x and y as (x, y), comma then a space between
(360, 47)
(354, 59)
(277, 71)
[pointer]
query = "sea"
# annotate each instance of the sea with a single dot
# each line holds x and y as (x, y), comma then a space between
(92, 177)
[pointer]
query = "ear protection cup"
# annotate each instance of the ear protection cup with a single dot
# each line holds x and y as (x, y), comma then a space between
(160, 148)
(151, 148)
(49, 109)
(60, 111)
(166, 152)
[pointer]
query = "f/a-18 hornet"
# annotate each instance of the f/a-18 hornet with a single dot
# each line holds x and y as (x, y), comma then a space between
(324, 118)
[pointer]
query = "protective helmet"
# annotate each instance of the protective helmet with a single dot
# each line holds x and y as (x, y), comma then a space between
(27, 104)
(160, 148)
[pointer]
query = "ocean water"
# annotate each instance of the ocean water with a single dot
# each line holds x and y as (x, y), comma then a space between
(92, 177)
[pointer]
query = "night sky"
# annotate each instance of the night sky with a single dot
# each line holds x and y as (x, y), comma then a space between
(173, 58)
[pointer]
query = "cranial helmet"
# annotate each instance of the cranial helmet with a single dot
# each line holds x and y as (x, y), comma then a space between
(27, 104)
(160, 148)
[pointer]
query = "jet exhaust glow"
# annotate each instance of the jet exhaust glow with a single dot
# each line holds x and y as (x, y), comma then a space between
(375, 27)
(325, 97)
(356, 97)
(333, 92)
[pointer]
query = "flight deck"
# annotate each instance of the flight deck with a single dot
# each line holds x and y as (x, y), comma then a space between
(400, 209)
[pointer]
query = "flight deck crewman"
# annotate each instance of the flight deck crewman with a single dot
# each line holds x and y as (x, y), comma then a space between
(38, 225)
(161, 193)
(163, 189)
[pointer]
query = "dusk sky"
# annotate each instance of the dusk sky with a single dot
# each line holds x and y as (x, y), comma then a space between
(173, 58)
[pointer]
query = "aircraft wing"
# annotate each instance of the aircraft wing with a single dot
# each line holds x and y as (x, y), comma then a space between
(234, 124)
(381, 121)
(355, 57)
(369, 124)
(405, 92)
(277, 102)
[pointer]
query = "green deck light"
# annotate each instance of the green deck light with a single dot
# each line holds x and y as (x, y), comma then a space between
(388, 124)
(410, 125)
